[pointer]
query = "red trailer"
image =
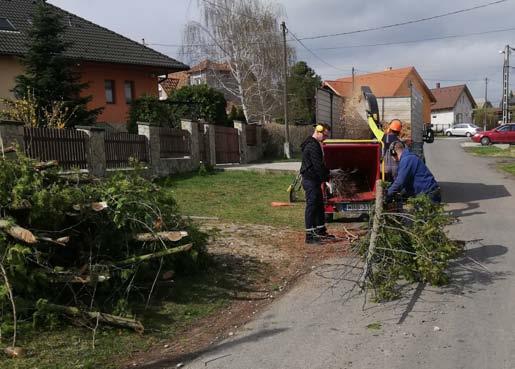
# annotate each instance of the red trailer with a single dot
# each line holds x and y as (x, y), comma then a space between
(362, 157)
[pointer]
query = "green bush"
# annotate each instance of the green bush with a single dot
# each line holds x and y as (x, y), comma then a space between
(150, 109)
(200, 102)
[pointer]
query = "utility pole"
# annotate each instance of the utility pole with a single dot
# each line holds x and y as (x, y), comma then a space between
(484, 105)
(285, 95)
(506, 85)
(353, 74)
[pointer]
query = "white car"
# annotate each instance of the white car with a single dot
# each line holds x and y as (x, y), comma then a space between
(462, 129)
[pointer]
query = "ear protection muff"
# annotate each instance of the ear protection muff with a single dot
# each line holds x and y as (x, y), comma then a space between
(394, 145)
(319, 128)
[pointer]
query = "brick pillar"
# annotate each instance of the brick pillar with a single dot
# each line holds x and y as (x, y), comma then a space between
(151, 132)
(95, 150)
(192, 128)
(242, 134)
(211, 137)
(11, 133)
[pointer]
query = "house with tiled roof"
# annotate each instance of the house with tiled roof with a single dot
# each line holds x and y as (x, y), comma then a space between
(454, 105)
(116, 68)
(213, 74)
(388, 83)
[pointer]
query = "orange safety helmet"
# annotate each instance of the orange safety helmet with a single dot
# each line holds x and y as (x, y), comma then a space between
(395, 125)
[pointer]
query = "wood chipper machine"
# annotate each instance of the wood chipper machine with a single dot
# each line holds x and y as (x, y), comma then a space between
(356, 166)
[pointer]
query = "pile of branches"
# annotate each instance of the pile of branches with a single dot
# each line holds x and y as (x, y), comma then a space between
(347, 183)
(407, 245)
(84, 248)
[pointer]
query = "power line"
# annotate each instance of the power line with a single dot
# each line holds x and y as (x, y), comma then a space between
(312, 53)
(418, 40)
(404, 23)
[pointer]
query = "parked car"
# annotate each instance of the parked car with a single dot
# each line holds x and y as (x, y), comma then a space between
(463, 129)
(502, 134)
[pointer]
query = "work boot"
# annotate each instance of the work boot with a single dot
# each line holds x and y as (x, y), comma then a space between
(322, 234)
(312, 239)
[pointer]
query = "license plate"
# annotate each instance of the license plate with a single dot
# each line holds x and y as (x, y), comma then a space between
(354, 207)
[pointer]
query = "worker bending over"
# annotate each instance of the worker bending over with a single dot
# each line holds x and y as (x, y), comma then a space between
(391, 165)
(413, 176)
(314, 173)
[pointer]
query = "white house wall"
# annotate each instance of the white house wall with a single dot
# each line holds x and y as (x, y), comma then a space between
(442, 119)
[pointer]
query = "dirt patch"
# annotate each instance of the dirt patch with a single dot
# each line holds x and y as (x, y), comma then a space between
(263, 263)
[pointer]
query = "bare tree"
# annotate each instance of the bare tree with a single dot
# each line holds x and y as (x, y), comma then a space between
(245, 35)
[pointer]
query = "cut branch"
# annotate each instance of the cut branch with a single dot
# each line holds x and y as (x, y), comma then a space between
(108, 319)
(161, 236)
(139, 259)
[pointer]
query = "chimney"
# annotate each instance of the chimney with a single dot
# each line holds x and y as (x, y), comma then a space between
(437, 84)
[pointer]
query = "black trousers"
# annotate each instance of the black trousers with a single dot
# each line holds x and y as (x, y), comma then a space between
(314, 216)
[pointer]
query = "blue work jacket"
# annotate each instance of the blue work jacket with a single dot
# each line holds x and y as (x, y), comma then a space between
(413, 176)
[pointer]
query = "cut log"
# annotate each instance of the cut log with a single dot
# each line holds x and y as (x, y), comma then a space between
(45, 165)
(139, 259)
(104, 318)
(161, 236)
(17, 232)
(373, 236)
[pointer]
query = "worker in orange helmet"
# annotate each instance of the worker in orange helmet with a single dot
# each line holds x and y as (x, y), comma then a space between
(391, 165)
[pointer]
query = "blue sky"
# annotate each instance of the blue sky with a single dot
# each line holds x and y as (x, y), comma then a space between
(451, 61)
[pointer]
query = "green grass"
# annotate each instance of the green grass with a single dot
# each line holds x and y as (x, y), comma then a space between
(510, 168)
(70, 347)
(492, 151)
(237, 196)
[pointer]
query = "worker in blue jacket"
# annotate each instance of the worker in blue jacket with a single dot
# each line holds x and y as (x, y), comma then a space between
(413, 176)
(314, 173)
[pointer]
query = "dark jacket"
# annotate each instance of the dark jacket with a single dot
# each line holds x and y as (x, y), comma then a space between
(313, 167)
(412, 176)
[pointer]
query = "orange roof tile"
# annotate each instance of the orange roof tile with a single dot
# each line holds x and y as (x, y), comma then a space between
(382, 84)
(208, 64)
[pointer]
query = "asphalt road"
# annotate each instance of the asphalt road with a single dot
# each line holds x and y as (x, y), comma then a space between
(469, 324)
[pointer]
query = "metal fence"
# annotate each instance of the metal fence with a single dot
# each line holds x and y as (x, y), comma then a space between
(121, 147)
(174, 142)
(66, 146)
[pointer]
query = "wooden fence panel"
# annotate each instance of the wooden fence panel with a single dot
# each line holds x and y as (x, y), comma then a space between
(120, 147)
(175, 143)
(67, 146)
(227, 145)
(251, 131)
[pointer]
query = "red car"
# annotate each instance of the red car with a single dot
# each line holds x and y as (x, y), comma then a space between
(502, 134)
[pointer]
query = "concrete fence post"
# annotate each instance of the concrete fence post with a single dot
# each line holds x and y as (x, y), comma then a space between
(151, 132)
(242, 134)
(209, 129)
(11, 133)
(259, 141)
(192, 128)
(95, 150)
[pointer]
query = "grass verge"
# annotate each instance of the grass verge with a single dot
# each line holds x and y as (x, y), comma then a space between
(71, 347)
(510, 168)
(506, 165)
(492, 151)
(237, 196)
